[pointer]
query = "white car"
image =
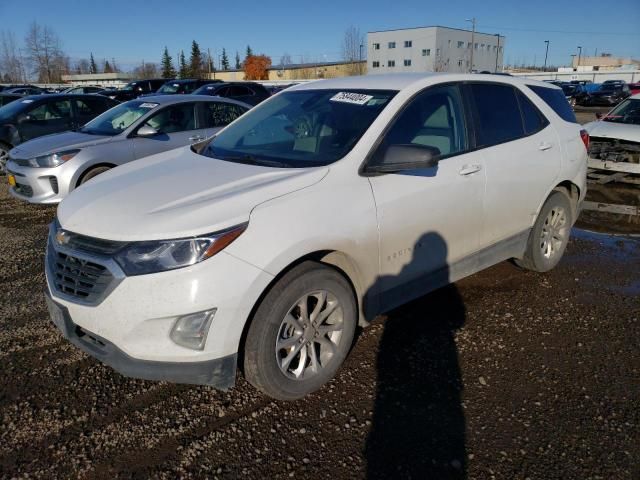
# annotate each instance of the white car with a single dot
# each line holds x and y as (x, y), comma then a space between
(616, 135)
(326, 205)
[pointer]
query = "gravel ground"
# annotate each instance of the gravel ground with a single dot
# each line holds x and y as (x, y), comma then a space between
(506, 374)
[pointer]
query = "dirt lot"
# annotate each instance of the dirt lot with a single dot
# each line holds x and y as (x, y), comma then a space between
(507, 374)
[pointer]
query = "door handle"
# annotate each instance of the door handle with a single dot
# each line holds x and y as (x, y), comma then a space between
(196, 138)
(544, 146)
(469, 169)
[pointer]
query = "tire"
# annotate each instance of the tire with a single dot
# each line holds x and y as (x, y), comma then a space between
(4, 157)
(282, 342)
(550, 234)
(94, 172)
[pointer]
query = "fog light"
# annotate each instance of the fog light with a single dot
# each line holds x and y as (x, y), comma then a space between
(191, 330)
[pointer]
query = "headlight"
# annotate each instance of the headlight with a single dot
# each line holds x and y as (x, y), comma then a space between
(53, 159)
(139, 258)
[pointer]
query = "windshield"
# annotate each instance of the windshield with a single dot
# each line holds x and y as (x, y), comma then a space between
(627, 112)
(118, 119)
(300, 129)
(169, 88)
(610, 87)
(569, 89)
(11, 110)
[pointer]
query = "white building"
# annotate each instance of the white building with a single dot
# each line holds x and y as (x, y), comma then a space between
(433, 49)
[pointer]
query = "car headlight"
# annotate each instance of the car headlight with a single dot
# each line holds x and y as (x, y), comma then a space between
(53, 159)
(139, 258)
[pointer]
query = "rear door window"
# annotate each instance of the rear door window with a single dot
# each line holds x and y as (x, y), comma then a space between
(556, 100)
(176, 118)
(219, 114)
(498, 119)
(54, 110)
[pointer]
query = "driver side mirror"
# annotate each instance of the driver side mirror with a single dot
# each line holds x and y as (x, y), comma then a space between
(397, 158)
(147, 131)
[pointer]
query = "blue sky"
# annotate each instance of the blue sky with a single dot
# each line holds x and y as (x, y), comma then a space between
(131, 31)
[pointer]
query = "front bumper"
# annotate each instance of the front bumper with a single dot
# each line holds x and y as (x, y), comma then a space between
(37, 185)
(219, 372)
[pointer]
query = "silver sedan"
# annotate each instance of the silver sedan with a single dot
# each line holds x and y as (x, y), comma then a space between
(46, 169)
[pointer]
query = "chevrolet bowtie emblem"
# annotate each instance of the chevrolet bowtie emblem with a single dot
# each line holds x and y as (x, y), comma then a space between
(62, 237)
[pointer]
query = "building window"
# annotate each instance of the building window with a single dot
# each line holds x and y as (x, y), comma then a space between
(408, 43)
(375, 64)
(482, 46)
(407, 63)
(459, 63)
(449, 44)
(437, 52)
(500, 49)
(469, 45)
(376, 46)
(495, 48)
(475, 46)
(460, 44)
(426, 52)
(392, 45)
(391, 63)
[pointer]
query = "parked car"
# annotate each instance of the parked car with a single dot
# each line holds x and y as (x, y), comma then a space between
(84, 89)
(38, 115)
(25, 91)
(173, 87)
(616, 136)
(46, 169)
(6, 98)
(248, 92)
(608, 94)
(634, 88)
(574, 93)
(134, 89)
(330, 203)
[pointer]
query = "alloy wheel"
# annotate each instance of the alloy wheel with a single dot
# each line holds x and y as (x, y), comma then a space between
(554, 232)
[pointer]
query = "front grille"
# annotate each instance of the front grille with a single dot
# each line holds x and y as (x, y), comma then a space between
(23, 162)
(78, 278)
(24, 190)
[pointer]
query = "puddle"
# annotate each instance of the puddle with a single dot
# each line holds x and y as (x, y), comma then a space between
(618, 247)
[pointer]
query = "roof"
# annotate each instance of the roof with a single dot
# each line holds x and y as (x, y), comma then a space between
(435, 26)
(400, 81)
(188, 97)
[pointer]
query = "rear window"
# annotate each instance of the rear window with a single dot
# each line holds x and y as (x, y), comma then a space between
(556, 100)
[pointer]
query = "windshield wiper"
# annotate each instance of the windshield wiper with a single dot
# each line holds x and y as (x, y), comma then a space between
(251, 160)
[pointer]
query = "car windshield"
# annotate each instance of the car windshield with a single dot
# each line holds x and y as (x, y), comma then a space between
(118, 119)
(9, 111)
(610, 87)
(569, 89)
(169, 88)
(300, 129)
(627, 112)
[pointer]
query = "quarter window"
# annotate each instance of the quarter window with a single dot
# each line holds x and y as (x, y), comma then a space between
(533, 119)
(498, 114)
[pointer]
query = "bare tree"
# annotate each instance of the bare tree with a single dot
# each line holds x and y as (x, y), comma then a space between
(44, 53)
(11, 62)
(285, 59)
(146, 70)
(352, 50)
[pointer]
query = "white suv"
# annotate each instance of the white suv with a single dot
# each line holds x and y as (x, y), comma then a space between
(323, 207)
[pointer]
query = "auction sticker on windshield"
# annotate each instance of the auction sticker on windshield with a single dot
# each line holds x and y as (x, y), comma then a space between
(149, 105)
(351, 97)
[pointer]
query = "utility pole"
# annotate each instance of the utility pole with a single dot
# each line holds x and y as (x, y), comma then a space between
(579, 55)
(573, 57)
(497, 52)
(473, 37)
(360, 63)
(546, 54)
(209, 62)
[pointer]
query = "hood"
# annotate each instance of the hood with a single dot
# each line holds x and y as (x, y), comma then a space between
(176, 194)
(623, 131)
(56, 142)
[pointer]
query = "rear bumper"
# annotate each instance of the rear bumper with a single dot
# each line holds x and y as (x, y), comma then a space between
(219, 372)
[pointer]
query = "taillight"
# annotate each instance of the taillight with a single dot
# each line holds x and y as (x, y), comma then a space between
(585, 138)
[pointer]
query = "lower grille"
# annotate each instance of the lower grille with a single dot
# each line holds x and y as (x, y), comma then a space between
(78, 278)
(24, 190)
(54, 184)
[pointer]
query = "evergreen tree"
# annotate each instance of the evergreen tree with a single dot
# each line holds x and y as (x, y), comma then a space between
(225, 60)
(184, 69)
(195, 61)
(167, 65)
(92, 65)
(238, 64)
(107, 67)
(249, 52)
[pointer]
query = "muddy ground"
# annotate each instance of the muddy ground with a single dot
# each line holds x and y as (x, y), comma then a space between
(506, 374)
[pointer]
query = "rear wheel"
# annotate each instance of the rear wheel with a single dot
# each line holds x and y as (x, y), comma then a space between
(301, 333)
(94, 172)
(549, 235)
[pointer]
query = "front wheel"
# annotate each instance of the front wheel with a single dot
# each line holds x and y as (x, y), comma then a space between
(94, 172)
(550, 234)
(301, 333)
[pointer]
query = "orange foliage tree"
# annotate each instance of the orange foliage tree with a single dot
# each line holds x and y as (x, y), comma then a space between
(255, 67)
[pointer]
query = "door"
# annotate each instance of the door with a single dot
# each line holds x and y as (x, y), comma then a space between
(522, 157)
(216, 115)
(52, 116)
(428, 218)
(177, 126)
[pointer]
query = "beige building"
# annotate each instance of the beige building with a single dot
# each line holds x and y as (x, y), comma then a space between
(603, 62)
(102, 79)
(300, 71)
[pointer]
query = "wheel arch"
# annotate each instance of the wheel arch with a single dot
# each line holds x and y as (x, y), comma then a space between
(572, 191)
(86, 170)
